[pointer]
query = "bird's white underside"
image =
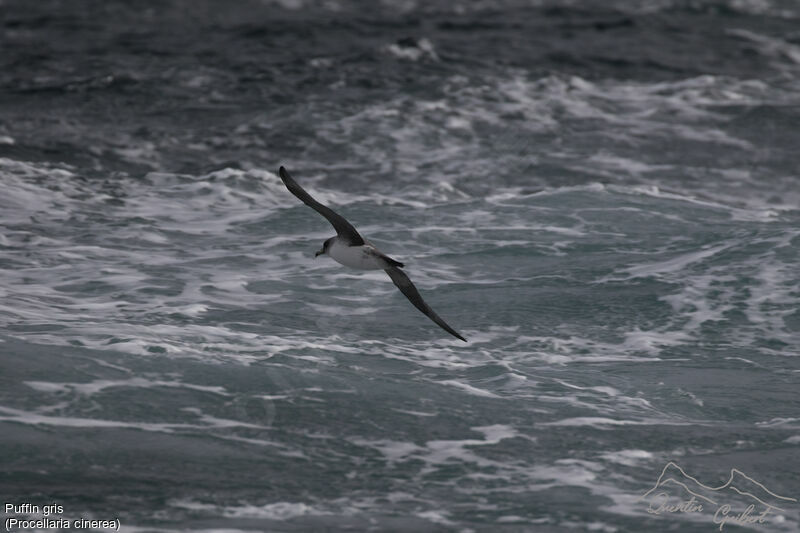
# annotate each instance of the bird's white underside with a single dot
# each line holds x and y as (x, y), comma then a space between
(364, 257)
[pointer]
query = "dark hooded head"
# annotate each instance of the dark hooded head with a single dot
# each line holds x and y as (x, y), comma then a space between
(325, 247)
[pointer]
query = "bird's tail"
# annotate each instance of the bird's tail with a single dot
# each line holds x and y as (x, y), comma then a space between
(394, 263)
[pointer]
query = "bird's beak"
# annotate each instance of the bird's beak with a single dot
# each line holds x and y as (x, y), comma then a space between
(319, 253)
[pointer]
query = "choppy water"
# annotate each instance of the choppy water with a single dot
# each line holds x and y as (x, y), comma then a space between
(603, 200)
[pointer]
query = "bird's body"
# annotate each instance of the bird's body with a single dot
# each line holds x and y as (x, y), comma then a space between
(362, 257)
(350, 249)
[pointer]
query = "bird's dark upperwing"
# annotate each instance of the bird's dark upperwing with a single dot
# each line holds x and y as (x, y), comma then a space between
(343, 228)
(406, 287)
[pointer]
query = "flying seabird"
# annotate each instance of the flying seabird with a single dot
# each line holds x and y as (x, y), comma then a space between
(352, 250)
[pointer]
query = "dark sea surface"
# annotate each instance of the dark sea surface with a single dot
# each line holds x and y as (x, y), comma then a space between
(603, 197)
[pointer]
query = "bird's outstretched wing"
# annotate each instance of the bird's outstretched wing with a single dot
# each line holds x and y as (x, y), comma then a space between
(406, 287)
(343, 228)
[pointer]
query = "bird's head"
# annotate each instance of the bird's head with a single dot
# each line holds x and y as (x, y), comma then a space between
(325, 247)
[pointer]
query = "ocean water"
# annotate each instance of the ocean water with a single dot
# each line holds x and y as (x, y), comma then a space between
(602, 197)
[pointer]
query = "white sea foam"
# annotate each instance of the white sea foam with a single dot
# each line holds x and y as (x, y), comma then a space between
(675, 264)
(628, 457)
(438, 452)
(598, 422)
(272, 511)
(208, 422)
(422, 48)
(469, 388)
(93, 387)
